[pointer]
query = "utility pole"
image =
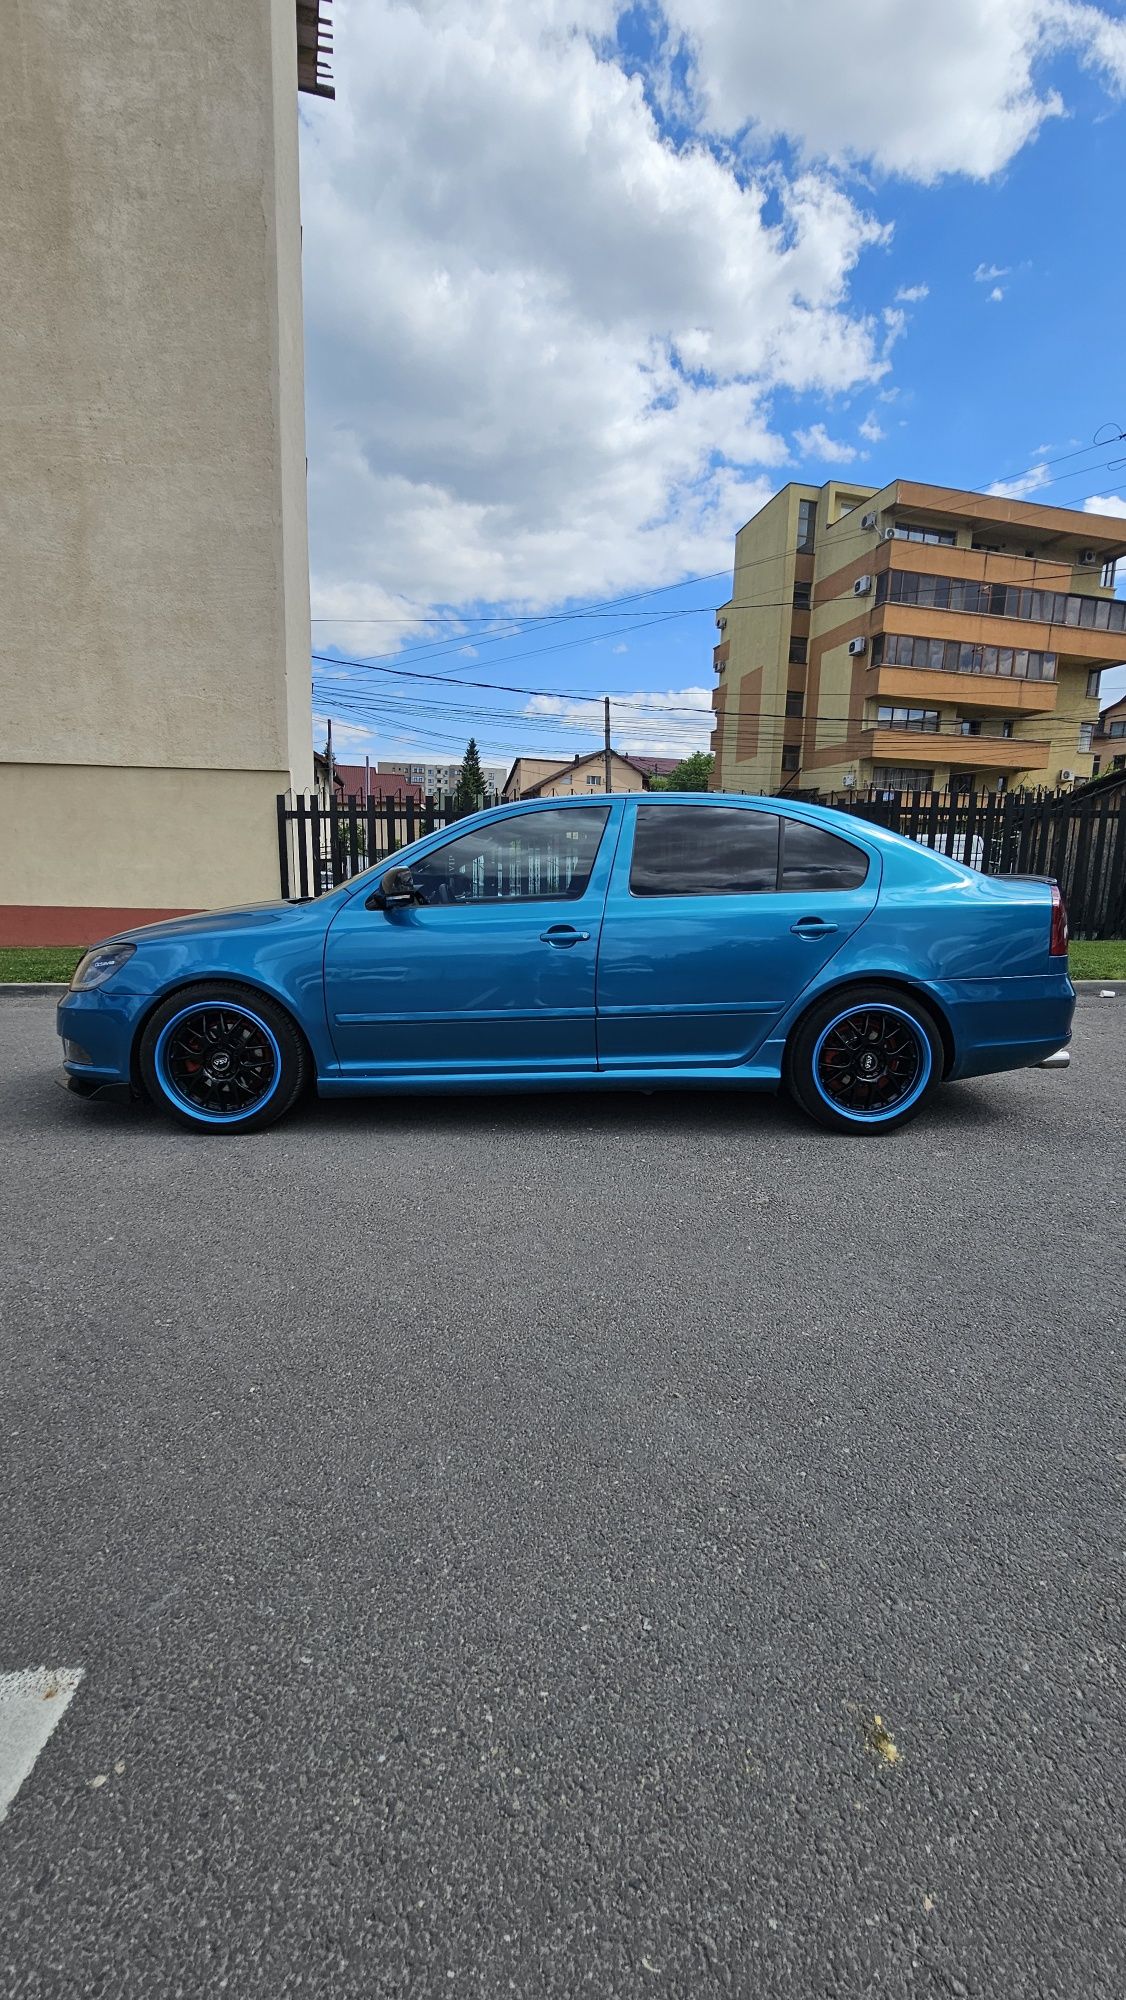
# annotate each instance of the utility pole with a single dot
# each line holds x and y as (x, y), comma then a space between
(606, 736)
(330, 759)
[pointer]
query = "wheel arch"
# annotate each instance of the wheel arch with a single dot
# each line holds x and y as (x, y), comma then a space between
(250, 987)
(896, 982)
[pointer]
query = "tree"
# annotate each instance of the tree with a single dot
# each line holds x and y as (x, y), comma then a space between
(470, 789)
(692, 774)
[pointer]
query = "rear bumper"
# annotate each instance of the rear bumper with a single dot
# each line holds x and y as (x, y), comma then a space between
(1001, 1024)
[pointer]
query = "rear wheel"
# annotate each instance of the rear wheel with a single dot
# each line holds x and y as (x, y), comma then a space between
(222, 1060)
(866, 1060)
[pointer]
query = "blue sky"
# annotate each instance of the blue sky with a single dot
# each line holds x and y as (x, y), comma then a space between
(583, 287)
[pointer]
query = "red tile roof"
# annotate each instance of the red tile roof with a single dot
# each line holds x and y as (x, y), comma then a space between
(379, 784)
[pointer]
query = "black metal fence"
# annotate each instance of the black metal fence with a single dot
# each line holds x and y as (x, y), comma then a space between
(1079, 838)
(322, 844)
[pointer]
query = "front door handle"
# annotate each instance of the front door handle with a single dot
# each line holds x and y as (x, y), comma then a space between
(812, 927)
(564, 934)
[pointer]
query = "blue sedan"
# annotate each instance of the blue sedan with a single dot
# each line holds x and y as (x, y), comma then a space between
(632, 941)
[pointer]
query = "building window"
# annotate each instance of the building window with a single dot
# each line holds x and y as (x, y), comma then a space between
(1117, 729)
(901, 778)
(791, 757)
(888, 717)
(1093, 679)
(1002, 600)
(799, 650)
(954, 656)
(807, 526)
(969, 725)
(1086, 736)
(1006, 729)
(793, 701)
(803, 596)
(1110, 570)
(941, 538)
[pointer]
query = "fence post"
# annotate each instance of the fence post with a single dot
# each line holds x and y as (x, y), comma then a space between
(302, 848)
(283, 847)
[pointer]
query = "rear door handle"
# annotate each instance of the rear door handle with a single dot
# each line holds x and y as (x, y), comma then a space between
(812, 927)
(564, 934)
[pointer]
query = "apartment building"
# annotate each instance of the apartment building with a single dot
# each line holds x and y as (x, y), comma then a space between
(1110, 739)
(914, 638)
(437, 781)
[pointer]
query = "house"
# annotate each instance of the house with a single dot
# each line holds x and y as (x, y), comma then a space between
(657, 767)
(914, 638)
(546, 778)
(321, 780)
(361, 782)
(1109, 743)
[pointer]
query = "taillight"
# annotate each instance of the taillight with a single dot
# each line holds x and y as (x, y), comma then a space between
(1058, 945)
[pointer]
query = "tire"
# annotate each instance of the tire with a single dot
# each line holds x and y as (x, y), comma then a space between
(261, 1063)
(879, 1022)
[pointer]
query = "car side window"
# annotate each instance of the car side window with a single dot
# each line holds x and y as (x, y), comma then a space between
(703, 851)
(528, 858)
(815, 860)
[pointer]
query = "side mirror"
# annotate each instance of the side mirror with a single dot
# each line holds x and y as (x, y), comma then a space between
(396, 890)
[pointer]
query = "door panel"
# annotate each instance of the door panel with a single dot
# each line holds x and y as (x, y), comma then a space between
(495, 971)
(697, 980)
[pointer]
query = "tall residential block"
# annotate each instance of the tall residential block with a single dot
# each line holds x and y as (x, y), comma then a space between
(913, 638)
(154, 663)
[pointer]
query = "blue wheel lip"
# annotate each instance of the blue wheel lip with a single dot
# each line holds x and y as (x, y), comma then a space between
(905, 1103)
(184, 1104)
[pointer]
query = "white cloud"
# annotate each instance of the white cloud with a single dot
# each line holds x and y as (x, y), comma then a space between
(1025, 483)
(542, 340)
(816, 443)
(985, 273)
(910, 295)
(1111, 504)
(870, 429)
(670, 724)
(996, 294)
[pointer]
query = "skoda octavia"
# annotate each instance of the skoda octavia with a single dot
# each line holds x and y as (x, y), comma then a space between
(635, 940)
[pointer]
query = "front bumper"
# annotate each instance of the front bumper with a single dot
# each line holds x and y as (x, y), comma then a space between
(101, 1024)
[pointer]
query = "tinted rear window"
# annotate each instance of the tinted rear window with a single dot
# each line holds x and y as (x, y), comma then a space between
(703, 851)
(815, 860)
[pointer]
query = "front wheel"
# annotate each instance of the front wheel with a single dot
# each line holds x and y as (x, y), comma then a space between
(221, 1059)
(865, 1060)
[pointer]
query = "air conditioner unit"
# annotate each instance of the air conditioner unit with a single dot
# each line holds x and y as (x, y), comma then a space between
(850, 781)
(889, 534)
(1088, 556)
(856, 646)
(1067, 777)
(862, 586)
(868, 520)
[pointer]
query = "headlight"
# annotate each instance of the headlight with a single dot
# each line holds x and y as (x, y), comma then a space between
(100, 965)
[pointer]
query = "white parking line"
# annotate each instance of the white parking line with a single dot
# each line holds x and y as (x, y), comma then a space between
(32, 1701)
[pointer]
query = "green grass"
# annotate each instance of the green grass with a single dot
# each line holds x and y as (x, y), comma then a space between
(1089, 960)
(39, 963)
(1103, 958)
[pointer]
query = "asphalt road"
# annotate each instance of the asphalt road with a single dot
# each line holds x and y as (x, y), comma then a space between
(490, 1529)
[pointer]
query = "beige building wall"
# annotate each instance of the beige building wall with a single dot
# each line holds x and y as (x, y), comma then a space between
(154, 671)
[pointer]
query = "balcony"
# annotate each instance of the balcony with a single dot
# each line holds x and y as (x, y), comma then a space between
(923, 685)
(947, 746)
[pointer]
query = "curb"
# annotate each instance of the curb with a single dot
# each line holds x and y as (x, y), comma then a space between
(1100, 989)
(14, 989)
